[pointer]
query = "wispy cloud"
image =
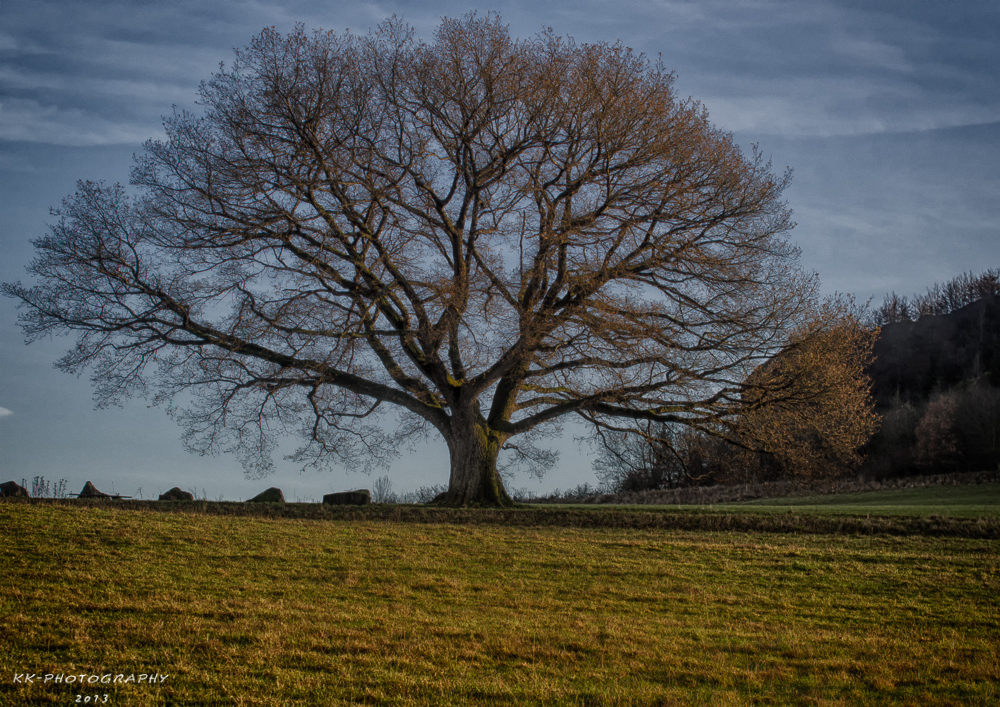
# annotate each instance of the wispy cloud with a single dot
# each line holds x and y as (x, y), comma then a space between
(826, 107)
(146, 90)
(96, 74)
(28, 120)
(4, 412)
(825, 68)
(873, 54)
(10, 44)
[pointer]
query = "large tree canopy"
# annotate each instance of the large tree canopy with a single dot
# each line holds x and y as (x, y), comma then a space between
(482, 233)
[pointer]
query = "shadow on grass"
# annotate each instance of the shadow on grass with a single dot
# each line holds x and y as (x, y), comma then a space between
(722, 520)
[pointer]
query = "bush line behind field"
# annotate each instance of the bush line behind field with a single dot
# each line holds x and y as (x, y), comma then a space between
(573, 517)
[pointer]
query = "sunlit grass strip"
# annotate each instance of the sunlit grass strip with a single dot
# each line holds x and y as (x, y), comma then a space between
(742, 518)
(264, 612)
(980, 500)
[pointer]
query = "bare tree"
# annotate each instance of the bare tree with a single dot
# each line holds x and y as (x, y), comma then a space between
(957, 293)
(894, 309)
(661, 456)
(382, 490)
(937, 438)
(977, 423)
(482, 233)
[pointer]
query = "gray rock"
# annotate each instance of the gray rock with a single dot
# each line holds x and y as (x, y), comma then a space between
(90, 491)
(12, 488)
(176, 494)
(361, 497)
(272, 495)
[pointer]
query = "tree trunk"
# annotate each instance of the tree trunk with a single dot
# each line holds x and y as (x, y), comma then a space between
(474, 479)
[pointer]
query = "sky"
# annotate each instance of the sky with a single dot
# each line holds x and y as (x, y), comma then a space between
(888, 114)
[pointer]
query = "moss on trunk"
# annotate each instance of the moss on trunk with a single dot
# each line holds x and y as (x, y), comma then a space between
(475, 480)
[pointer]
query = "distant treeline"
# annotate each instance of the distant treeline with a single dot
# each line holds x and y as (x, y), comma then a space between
(939, 299)
(935, 384)
(936, 380)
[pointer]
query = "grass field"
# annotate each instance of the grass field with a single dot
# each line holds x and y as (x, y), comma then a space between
(982, 500)
(899, 507)
(257, 611)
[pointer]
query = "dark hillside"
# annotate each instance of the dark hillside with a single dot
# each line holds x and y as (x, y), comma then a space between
(913, 359)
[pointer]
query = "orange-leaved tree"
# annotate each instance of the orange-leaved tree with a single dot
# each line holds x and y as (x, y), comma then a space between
(810, 408)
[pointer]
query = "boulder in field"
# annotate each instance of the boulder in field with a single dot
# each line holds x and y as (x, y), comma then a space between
(361, 497)
(90, 491)
(12, 488)
(272, 495)
(176, 494)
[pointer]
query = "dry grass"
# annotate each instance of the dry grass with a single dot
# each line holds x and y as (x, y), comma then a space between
(263, 611)
(944, 521)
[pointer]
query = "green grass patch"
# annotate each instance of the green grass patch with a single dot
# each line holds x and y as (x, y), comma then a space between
(982, 500)
(262, 611)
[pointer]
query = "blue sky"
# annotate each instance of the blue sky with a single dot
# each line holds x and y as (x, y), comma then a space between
(888, 113)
